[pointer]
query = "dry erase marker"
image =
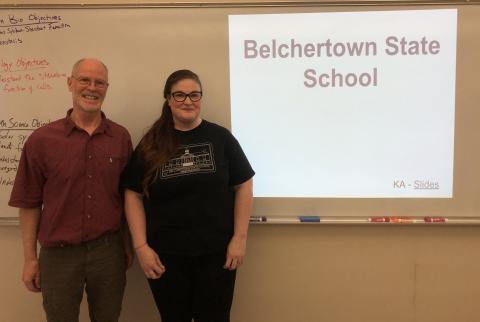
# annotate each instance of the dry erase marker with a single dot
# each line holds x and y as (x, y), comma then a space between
(258, 219)
(379, 219)
(309, 218)
(402, 220)
(435, 219)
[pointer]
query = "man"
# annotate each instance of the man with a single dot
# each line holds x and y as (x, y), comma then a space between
(67, 189)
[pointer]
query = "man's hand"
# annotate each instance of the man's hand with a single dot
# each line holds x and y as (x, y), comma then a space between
(31, 275)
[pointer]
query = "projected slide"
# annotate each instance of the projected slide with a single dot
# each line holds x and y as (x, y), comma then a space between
(348, 105)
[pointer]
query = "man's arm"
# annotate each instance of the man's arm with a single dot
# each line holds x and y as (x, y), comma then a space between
(29, 222)
(127, 244)
(127, 238)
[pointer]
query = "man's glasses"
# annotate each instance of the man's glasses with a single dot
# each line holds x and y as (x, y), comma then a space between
(181, 96)
(85, 81)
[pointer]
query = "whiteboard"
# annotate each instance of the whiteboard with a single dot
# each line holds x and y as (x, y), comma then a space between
(142, 46)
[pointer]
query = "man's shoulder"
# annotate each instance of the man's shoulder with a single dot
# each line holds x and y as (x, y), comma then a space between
(117, 128)
(54, 127)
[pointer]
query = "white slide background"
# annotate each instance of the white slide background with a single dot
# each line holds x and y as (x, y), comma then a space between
(392, 139)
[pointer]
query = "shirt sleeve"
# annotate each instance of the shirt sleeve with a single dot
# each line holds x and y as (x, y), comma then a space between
(239, 167)
(30, 179)
(133, 173)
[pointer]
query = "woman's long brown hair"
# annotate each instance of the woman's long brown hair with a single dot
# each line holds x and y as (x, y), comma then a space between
(160, 142)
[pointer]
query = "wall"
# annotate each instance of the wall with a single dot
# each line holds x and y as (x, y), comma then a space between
(314, 273)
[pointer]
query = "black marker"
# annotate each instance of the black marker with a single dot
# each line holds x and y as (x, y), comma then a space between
(258, 219)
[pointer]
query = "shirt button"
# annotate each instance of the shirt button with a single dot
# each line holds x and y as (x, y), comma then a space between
(88, 216)
(89, 196)
(89, 176)
(89, 156)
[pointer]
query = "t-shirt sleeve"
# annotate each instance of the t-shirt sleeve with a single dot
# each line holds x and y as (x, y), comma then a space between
(239, 167)
(27, 189)
(132, 175)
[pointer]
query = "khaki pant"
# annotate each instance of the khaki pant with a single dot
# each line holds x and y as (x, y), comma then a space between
(97, 266)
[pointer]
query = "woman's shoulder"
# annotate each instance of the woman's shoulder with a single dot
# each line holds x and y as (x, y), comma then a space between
(214, 127)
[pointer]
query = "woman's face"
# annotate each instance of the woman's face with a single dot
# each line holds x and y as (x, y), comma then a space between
(186, 114)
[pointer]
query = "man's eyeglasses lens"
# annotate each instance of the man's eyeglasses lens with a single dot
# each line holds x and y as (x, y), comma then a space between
(85, 81)
(181, 96)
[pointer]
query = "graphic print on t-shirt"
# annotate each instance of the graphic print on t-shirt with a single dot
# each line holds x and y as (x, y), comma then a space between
(190, 159)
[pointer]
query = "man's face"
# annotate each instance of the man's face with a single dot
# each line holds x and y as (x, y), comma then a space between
(88, 84)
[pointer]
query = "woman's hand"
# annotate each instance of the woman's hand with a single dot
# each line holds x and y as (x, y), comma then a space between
(149, 262)
(235, 253)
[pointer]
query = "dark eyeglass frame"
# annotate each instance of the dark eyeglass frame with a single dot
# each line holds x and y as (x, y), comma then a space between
(189, 95)
(87, 81)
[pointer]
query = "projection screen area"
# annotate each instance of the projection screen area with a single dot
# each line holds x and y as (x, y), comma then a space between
(346, 104)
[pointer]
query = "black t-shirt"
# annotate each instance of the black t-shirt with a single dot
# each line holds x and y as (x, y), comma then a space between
(190, 206)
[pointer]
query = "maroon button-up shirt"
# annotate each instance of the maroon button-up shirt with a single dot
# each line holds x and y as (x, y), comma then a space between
(75, 178)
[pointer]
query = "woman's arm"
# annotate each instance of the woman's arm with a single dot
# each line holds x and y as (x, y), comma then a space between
(242, 210)
(147, 257)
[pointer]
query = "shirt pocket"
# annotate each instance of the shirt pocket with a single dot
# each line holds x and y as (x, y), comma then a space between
(111, 167)
(113, 164)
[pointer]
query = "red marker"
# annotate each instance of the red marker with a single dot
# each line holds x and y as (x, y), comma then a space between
(435, 219)
(402, 220)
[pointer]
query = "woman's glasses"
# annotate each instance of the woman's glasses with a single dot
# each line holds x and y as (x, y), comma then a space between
(181, 96)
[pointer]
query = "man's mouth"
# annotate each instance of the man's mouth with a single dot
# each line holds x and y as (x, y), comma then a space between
(90, 97)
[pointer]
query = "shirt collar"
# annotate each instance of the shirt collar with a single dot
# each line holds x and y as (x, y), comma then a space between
(104, 126)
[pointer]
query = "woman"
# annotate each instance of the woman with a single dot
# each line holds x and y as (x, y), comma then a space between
(188, 201)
